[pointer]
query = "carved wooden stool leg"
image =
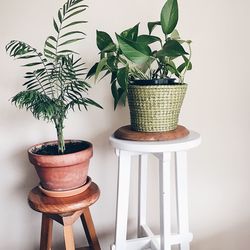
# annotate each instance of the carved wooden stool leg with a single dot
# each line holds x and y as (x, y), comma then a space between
(68, 237)
(65, 210)
(46, 233)
(89, 229)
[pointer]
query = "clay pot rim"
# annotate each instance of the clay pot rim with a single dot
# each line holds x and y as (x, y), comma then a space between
(90, 147)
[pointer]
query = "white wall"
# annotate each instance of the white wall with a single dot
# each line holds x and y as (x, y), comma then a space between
(217, 105)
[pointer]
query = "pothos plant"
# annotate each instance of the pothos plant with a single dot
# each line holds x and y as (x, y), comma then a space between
(55, 80)
(144, 56)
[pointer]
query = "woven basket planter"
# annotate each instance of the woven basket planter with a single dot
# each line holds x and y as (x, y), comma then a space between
(155, 108)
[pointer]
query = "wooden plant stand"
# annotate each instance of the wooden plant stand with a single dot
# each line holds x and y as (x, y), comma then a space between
(163, 151)
(65, 211)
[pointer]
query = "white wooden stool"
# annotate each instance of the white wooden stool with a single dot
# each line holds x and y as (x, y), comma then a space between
(162, 150)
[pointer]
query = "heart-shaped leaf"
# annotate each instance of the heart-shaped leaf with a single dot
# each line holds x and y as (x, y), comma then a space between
(100, 67)
(171, 48)
(169, 16)
(122, 77)
(135, 52)
(148, 39)
(131, 34)
(104, 41)
(152, 25)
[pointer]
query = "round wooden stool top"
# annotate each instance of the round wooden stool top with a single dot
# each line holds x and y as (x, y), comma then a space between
(126, 133)
(51, 205)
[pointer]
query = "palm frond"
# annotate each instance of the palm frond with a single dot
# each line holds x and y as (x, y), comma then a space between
(85, 102)
(41, 106)
(38, 78)
(54, 45)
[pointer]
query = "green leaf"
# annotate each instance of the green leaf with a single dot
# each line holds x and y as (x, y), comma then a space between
(66, 51)
(29, 76)
(75, 13)
(51, 38)
(171, 48)
(100, 67)
(122, 77)
(27, 57)
(104, 41)
(50, 45)
(13, 48)
(92, 102)
(112, 63)
(114, 92)
(50, 53)
(122, 96)
(64, 8)
(73, 32)
(181, 67)
(77, 7)
(152, 25)
(60, 16)
(169, 16)
(55, 26)
(188, 63)
(32, 64)
(92, 70)
(74, 2)
(135, 52)
(109, 48)
(73, 23)
(70, 41)
(107, 73)
(113, 76)
(148, 39)
(18, 48)
(131, 34)
(175, 35)
(172, 68)
(7, 47)
(30, 81)
(144, 67)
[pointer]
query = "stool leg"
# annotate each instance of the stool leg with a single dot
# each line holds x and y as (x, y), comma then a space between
(46, 233)
(122, 200)
(68, 237)
(182, 198)
(89, 229)
(142, 201)
(165, 213)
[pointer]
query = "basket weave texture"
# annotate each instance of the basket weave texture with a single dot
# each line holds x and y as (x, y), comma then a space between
(155, 108)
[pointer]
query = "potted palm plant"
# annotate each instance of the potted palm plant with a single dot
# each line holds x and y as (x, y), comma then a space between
(54, 85)
(147, 69)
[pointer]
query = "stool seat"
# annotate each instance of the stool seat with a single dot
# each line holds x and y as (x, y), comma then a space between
(65, 210)
(60, 205)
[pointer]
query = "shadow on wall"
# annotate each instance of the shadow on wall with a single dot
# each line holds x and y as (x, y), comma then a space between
(237, 237)
(16, 204)
(29, 178)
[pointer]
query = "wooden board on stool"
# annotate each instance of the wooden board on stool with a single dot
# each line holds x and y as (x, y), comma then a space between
(126, 133)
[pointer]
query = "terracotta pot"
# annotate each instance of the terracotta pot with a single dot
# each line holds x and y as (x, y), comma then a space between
(61, 172)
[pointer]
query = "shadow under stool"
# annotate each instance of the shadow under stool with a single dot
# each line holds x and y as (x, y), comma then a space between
(65, 210)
